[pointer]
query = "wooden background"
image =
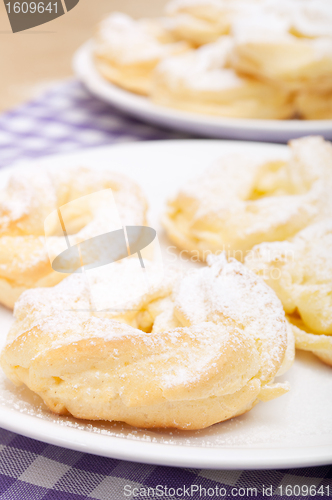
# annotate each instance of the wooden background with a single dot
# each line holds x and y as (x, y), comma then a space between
(31, 60)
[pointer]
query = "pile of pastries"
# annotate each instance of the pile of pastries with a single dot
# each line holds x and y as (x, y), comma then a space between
(192, 347)
(264, 59)
(276, 217)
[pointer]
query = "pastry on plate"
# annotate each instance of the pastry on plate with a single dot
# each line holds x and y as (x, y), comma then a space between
(300, 272)
(243, 200)
(28, 201)
(313, 105)
(187, 353)
(126, 51)
(273, 55)
(201, 81)
(278, 64)
(306, 19)
(202, 21)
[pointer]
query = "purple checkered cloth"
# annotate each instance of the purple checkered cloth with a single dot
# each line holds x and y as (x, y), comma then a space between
(67, 118)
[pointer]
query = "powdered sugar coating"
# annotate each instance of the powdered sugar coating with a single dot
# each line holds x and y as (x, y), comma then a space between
(204, 80)
(309, 18)
(30, 199)
(128, 41)
(300, 271)
(102, 365)
(244, 200)
(230, 292)
(202, 70)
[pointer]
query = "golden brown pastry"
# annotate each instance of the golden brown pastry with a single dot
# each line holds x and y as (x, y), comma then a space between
(275, 56)
(202, 21)
(244, 200)
(300, 272)
(29, 199)
(201, 81)
(304, 19)
(185, 354)
(313, 105)
(279, 65)
(126, 51)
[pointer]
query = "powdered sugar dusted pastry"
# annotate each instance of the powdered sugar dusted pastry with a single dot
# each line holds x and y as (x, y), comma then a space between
(201, 81)
(192, 352)
(126, 51)
(313, 105)
(308, 19)
(243, 200)
(278, 67)
(29, 199)
(269, 52)
(300, 272)
(203, 21)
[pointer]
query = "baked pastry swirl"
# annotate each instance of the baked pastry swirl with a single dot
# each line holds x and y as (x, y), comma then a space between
(308, 19)
(126, 51)
(29, 199)
(202, 81)
(279, 65)
(203, 21)
(185, 354)
(300, 272)
(280, 58)
(242, 201)
(313, 105)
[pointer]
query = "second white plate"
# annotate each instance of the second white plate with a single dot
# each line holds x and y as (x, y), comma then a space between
(209, 126)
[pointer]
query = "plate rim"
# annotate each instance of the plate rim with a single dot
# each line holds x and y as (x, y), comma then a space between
(164, 454)
(143, 108)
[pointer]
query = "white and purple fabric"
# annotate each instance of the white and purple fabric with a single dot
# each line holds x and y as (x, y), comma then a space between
(64, 119)
(67, 118)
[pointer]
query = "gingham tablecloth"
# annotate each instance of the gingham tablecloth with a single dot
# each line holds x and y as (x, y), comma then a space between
(67, 118)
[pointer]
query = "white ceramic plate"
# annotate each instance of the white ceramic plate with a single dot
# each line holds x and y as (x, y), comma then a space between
(210, 126)
(292, 431)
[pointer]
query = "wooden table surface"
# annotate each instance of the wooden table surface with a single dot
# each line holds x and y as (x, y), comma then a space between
(32, 59)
